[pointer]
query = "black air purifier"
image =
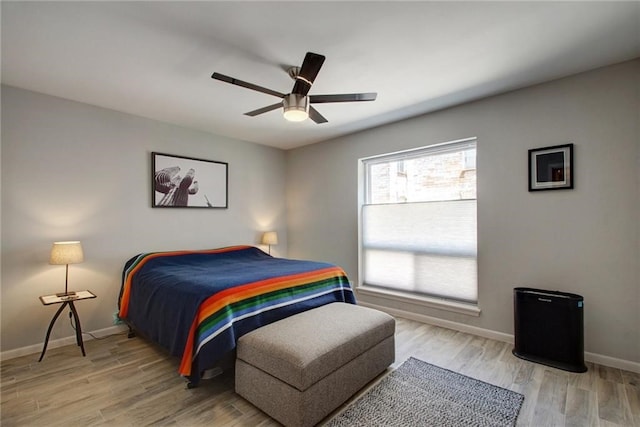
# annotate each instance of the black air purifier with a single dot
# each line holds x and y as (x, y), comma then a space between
(549, 328)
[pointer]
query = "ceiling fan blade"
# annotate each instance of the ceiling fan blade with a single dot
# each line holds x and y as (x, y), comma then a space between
(316, 116)
(345, 97)
(264, 109)
(308, 72)
(237, 82)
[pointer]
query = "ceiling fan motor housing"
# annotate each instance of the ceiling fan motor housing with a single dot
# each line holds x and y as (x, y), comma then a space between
(296, 107)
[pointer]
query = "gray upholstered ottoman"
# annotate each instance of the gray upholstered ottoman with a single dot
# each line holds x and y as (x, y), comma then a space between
(300, 369)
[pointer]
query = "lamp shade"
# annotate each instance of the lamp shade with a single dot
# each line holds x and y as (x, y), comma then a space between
(66, 253)
(270, 238)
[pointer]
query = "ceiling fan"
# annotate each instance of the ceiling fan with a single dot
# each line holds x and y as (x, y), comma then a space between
(296, 105)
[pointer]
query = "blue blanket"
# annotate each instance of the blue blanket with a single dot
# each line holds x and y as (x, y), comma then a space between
(196, 304)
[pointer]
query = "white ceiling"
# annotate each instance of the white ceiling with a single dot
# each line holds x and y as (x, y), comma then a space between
(155, 59)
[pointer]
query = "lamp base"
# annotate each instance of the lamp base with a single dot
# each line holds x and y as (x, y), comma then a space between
(65, 294)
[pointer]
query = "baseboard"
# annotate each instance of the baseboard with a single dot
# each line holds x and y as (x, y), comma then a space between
(60, 342)
(612, 362)
(600, 359)
(474, 330)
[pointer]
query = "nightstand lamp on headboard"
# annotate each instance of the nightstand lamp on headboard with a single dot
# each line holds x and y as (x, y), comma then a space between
(270, 238)
(65, 253)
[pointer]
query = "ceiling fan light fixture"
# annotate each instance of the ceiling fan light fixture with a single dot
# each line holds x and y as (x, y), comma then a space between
(296, 107)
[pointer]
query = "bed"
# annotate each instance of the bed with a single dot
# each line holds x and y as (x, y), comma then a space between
(196, 304)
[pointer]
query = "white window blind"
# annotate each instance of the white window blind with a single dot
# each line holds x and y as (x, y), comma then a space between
(418, 222)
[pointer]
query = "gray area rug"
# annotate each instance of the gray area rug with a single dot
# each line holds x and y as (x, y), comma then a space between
(421, 394)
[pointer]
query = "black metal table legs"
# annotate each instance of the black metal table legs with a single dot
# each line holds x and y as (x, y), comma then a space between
(78, 327)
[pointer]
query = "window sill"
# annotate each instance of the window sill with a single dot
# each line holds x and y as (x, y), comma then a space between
(440, 304)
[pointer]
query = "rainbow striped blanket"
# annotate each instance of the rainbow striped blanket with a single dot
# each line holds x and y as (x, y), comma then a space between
(196, 304)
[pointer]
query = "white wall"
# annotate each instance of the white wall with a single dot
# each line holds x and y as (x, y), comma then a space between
(73, 171)
(584, 240)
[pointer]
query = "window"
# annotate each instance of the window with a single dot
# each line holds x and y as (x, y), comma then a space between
(418, 222)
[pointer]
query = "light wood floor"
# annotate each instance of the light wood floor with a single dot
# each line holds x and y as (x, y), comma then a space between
(130, 382)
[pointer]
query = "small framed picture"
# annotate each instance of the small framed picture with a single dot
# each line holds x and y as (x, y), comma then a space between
(185, 182)
(551, 168)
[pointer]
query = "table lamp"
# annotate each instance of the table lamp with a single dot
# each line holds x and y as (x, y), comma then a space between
(270, 238)
(66, 253)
